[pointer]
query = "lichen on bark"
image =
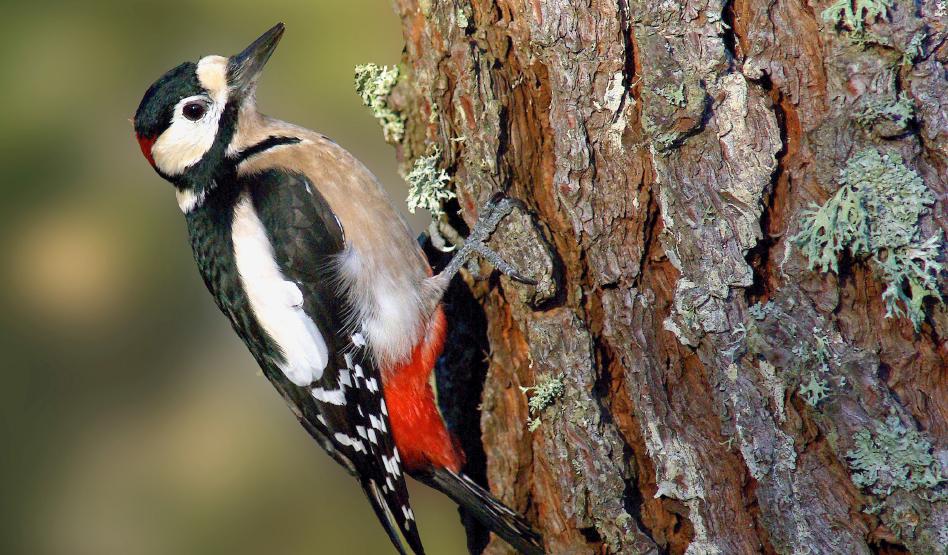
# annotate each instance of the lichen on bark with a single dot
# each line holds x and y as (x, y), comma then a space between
(666, 153)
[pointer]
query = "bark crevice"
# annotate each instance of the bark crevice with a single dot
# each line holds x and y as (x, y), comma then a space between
(667, 150)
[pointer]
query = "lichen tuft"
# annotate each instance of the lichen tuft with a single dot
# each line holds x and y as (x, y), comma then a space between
(875, 214)
(674, 95)
(374, 84)
(914, 49)
(814, 391)
(543, 395)
(428, 185)
(893, 457)
(853, 14)
(916, 267)
(760, 311)
(901, 112)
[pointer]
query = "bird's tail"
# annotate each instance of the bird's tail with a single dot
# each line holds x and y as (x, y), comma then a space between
(486, 509)
(391, 524)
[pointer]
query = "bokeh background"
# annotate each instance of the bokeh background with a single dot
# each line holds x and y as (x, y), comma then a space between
(134, 422)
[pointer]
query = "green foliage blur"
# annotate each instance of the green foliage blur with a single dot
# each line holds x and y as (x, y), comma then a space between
(134, 422)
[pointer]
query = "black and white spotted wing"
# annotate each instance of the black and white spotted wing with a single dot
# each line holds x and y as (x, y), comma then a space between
(346, 404)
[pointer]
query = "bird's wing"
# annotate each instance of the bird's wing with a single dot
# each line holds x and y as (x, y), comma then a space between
(307, 240)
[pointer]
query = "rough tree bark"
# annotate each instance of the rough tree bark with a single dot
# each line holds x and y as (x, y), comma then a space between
(705, 390)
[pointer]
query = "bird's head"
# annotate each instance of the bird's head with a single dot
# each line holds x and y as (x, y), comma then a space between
(188, 117)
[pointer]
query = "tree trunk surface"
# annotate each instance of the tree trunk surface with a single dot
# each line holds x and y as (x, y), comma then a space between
(701, 389)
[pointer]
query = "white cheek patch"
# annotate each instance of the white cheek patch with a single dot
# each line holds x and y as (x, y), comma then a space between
(276, 302)
(185, 142)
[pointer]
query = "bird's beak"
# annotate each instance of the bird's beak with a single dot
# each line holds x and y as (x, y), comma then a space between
(243, 69)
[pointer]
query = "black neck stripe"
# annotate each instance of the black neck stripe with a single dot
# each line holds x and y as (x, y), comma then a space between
(264, 145)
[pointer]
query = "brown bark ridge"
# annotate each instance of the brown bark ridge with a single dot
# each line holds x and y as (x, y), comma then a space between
(667, 152)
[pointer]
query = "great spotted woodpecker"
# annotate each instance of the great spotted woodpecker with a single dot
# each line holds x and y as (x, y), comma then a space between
(319, 275)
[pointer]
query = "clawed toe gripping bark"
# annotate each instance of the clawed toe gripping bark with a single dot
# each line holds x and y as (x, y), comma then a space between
(495, 210)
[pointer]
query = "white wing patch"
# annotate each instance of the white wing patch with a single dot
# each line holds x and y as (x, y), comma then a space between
(331, 396)
(277, 302)
(350, 441)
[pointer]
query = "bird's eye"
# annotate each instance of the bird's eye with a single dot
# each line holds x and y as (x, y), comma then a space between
(194, 110)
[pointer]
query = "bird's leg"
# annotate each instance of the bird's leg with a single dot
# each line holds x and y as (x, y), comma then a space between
(496, 209)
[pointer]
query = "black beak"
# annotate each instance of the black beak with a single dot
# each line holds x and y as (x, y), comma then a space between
(243, 69)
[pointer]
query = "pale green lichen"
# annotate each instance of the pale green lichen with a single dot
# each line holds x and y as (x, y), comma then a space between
(542, 396)
(914, 49)
(853, 13)
(865, 39)
(428, 185)
(662, 141)
(816, 357)
(821, 349)
(916, 267)
(815, 390)
(666, 141)
(674, 95)
(460, 18)
(760, 311)
(893, 457)
(710, 216)
(812, 366)
(875, 214)
(902, 111)
(374, 84)
(424, 6)
(829, 229)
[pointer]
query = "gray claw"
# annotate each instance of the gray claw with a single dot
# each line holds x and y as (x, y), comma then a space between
(502, 265)
(494, 210)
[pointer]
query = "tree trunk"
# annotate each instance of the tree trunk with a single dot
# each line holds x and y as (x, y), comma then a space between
(699, 387)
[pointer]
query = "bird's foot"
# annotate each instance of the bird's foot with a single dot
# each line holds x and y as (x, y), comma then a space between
(496, 209)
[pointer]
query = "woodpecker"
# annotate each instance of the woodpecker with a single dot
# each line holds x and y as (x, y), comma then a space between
(319, 275)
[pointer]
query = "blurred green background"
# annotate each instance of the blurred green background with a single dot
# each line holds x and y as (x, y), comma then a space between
(134, 421)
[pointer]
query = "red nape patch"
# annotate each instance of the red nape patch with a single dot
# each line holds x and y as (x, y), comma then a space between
(417, 427)
(146, 143)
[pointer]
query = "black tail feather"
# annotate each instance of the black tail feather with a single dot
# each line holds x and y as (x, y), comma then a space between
(386, 519)
(486, 509)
